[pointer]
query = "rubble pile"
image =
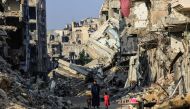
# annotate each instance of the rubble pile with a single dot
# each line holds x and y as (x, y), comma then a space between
(16, 91)
(69, 86)
(157, 92)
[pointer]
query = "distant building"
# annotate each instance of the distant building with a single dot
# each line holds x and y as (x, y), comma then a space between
(70, 41)
(54, 45)
(81, 31)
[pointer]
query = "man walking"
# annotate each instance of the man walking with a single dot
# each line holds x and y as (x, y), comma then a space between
(95, 90)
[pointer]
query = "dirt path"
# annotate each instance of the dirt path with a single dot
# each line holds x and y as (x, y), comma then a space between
(80, 103)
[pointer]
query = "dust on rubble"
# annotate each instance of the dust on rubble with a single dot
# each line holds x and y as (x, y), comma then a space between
(18, 92)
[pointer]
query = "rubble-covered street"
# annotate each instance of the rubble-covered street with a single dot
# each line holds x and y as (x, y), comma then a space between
(136, 53)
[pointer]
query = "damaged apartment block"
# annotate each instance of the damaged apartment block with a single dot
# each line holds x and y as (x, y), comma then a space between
(21, 24)
(38, 43)
(163, 49)
(14, 21)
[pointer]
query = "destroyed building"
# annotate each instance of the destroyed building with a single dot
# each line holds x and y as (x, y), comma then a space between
(152, 37)
(21, 29)
(99, 38)
(160, 33)
(14, 20)
(25, 24)
(137, 47)
(162, 28)
(38, 40)
(54, 41)
(79, 35)
(54, 45)
(110, 9)
(82, 30)
(70, 41)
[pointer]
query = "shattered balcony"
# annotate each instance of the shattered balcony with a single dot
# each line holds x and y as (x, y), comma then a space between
(13, 8)
(14, 11)
(12, 14)
(176, 24)
(181, 5)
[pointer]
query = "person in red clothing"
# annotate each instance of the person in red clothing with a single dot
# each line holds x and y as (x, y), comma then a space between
(106, 100)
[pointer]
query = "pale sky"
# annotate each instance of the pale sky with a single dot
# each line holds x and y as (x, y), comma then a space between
(62, 12)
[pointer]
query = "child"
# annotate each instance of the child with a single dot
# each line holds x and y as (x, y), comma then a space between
(106, 100)
(89, 99)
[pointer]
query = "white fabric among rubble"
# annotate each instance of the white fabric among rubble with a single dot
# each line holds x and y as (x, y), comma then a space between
(132, 74)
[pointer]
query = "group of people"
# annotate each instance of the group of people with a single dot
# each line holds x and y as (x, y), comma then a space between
(93, 98)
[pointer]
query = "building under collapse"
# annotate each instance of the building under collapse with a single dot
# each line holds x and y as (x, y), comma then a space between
(25, 24)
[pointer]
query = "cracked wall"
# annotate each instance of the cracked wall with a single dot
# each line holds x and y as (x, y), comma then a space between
(14, 21)
(164, 43)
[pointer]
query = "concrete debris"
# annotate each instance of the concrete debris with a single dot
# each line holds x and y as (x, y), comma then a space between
(104, 43)
(73, 68)
(92, 64)
(8, 28)
(17, 92)
(3, 99)
(78, 71)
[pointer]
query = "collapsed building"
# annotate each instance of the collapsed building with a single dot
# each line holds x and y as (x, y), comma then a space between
(25, 24)
(163, 48)
(14, 21)
(70, 42)
(79, 34)
(54, 45)
(99, 38)
(163, 39)
(149, 42)
(138, 47)
(23, 52)
(103, 46)
(38, 37)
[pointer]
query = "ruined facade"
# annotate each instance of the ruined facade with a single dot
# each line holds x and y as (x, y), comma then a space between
(38, 44)
(72, 39)
(14, 20)
(81, 31)
(54, 45)
(110, 9)
(79, 36)
(164, 39)
(163, 49)
(24, 21)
